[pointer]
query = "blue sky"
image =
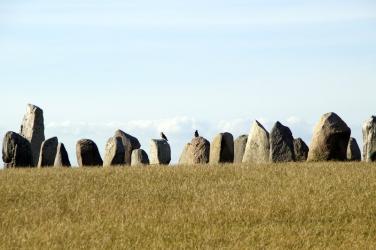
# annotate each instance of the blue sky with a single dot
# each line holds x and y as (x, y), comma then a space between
(145, 66)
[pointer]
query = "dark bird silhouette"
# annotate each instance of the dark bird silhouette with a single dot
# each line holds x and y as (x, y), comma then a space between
(196, 134)
(163, 136)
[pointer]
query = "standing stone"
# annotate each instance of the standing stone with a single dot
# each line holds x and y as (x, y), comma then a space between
(281, 144)
(301, 150)
(32, 129)
(258, 146)
(199, 151)
(353, 150)
(16, 151)
(239, 147)
(48, 152)
(330, 139)
(88, 153)
(185, 156)
(61, 159)
(222, 149)
(369, 140)
(139, 157)
(130, 143)
(114, 152)
(160, 152)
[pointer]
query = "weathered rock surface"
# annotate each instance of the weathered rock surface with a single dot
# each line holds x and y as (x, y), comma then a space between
(139, 157)
(47, 153)
(32, 129)
(61, 159)
(257, 149)
(199, 150)
(353, 150)
(222, 149)
(301, 150)
(239, 147)
(369, 140)
(130, 143)
(330, 139)
(185, 156)
(88, 153)
(281, 144)
(114, 152)
(16, 151)
(160, 152)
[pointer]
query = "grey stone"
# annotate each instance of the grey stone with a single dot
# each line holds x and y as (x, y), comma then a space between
(257, 149)
(88, 153)
(16, 151)
(160, 152)
(199, 150)
(61, 159)
(239, 148)
(48, 152)
(139, 157)
(114, 152)
(222, 149)
(301, 150)
(330, 139)
(369, 139)
(353, 150)
(32, 129)
(185, 156)
(130, 143)
(281, 144)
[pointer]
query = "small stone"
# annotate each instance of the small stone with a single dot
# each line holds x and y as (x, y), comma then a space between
(139, 157)
(222, 149)
(301, 150)
(48, 152)
(61, 159)
(114, 152)
(353, 150)
(281, 144)
(239, 148)
(160, 152)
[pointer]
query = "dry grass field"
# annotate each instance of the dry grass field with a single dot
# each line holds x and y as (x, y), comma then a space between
(284, 206)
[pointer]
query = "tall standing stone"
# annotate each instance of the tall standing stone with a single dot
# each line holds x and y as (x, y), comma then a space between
(330, 139)
(130, 143)
(222, 149)
(32, 129)
(281, 144)
(48, 152)
(160, 152)
(139, 157)
(353, 150)
(88, 153)
(369, 140)
(258, 147)
(301, 150)
(16, 151)
(239, 147)
(61, 159)
(114, 152)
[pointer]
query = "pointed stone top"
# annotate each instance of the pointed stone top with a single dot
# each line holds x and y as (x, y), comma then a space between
(33, 108)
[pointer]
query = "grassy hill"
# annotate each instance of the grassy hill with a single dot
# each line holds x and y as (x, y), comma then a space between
(320, 205)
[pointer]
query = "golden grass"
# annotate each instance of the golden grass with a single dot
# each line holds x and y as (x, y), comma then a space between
(284, 206)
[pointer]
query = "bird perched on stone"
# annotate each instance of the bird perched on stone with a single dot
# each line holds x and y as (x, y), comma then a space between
(196, 134)
(163, 136)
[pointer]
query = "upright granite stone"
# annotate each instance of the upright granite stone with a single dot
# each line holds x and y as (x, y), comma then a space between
(353, 150)
(281, 144)
(330, 139)
(160, 152)
(369, 140)
(48, 152)
(301, 150)
(61, 159)
(239, 147)
(139, 158)
(88, 153)
(199, 150)
(257, 149)
(130, 143)
(114, 152)
(32, 129)
(16, 151)
(222, 149)
(186, 155)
